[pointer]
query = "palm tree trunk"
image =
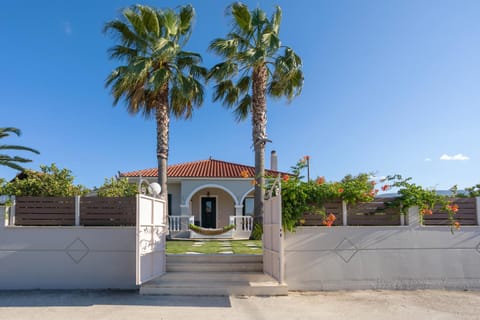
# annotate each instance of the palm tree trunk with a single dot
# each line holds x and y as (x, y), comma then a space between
(259, 134)
(163, 124)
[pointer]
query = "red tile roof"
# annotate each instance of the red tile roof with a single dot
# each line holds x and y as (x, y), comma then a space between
(202, 169)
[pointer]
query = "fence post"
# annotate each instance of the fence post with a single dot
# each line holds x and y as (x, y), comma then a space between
(478, 210)
(12, 211)
(344, 213)
(77, 211)
(402, 218)
(413, 219)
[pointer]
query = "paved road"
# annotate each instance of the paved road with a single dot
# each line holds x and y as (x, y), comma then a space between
(351, 305)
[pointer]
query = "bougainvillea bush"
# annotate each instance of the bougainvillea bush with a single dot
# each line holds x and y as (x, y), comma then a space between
(300, 197)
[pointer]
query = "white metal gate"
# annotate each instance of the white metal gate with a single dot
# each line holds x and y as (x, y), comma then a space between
(151, 233)
(273, 262)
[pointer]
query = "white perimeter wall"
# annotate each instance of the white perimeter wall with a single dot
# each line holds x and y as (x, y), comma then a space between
(67, 257)
(406, 257)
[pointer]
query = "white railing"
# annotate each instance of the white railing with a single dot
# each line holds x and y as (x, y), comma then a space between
(180, 223)
(242, 223)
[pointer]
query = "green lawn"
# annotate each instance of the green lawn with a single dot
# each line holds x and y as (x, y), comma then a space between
(214, 246)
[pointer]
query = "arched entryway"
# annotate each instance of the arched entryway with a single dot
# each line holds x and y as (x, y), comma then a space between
(212, 206)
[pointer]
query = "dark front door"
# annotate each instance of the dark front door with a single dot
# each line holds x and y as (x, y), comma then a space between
(209, 212)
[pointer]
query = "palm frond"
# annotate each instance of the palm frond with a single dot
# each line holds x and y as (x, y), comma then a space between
(242, 17)
(133, 16)
(276, 19)
(5, 132)
(287, 79)
(122, 52)
(13, 161)
(259, 18)
(186, 15)
(198, 72)
(12, 165)
(15, 147)
(150, 20)
(243, 108)
(171, 22)
(122, 32)
(222, 71)
(243, 84)
(227, 48)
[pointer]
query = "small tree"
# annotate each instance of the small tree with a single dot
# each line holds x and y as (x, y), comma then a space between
(51, 181)
(117, 188)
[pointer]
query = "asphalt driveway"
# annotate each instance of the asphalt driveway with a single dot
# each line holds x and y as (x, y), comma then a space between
(72, 305)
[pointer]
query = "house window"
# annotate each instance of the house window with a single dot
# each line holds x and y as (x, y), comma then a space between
(169, 206)
(248, 207)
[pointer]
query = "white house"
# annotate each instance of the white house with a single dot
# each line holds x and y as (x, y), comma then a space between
(209, 193)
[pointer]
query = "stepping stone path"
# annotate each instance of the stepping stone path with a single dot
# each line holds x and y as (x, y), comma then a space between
(190, 252)
(226, 248)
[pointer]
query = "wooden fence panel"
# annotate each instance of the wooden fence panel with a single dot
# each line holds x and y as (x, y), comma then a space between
(466, 215)
(45, 211)
(334, 207)
(375, 213)
(115, 211)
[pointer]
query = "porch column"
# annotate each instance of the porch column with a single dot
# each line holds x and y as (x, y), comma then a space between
(238, 213)
(239, 210)
(185, 212)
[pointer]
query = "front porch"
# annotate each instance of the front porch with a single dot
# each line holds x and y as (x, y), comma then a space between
(178, 228)
(213, 206)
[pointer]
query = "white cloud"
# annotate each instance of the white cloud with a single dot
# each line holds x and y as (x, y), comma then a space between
(427, 159)
(457, 157)
(68, 28)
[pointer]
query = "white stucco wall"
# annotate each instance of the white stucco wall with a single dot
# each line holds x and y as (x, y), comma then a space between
(403, 257)
(67, 257)
(175, 190)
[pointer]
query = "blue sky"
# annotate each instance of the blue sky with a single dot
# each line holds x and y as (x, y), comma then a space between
(390, 87)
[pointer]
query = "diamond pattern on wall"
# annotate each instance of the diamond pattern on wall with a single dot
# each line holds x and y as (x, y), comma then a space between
(478, 247)
(77, 250)
(346, 250)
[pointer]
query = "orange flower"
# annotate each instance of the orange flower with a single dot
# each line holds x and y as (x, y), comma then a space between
(373, 183)
(253, 182)
(456, 224)
(340, 190)
(452, 207)
(329, 220)
(244, 174)
(285, 177)
(306, 158)
(385, 187)
(320, 180)
(426, 211)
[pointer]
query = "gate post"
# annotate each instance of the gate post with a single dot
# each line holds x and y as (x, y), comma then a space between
(12, 211)
(77, 211)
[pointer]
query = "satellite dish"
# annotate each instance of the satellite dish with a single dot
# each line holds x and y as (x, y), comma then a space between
(154, 188)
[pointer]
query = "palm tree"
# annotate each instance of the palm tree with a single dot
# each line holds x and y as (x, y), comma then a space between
(9, 161)
(255, 65)
(158, 79)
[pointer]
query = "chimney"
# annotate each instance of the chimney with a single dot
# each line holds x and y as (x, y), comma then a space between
(273, 161)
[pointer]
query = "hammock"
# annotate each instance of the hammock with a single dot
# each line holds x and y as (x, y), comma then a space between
(210, 231)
